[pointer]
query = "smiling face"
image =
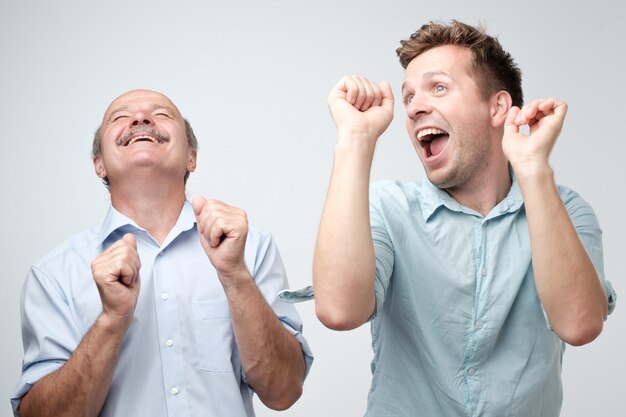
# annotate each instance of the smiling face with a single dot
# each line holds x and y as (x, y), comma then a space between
(143, 133)
(449, 122)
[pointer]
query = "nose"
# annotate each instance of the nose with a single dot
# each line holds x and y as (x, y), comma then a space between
(141, 118)
(418, 105)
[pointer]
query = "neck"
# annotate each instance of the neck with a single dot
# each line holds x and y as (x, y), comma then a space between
(154, 206)
(484, 192)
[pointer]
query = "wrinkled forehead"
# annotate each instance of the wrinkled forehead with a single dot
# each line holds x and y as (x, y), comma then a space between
(141, 100)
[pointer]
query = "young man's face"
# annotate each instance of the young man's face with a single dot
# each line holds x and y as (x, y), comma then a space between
(447, 118)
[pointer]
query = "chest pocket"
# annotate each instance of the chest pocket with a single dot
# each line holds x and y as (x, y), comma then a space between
(214, 335)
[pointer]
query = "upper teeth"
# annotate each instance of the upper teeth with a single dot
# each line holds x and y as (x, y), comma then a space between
(136, 138)
(429, 131)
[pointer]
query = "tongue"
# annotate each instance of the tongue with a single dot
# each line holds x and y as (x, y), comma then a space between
(437, 144)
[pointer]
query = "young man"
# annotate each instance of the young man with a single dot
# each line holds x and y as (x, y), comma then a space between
(169, 307)
(475, 279)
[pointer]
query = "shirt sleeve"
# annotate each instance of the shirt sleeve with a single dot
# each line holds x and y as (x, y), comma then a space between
(270, 277)
(49, 332)
(383, 249)
(590, 234)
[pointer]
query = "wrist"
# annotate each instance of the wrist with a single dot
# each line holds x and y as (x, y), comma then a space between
(355, 140)
(533, 172)
(113, 325)
(234, 278)
(536, 182)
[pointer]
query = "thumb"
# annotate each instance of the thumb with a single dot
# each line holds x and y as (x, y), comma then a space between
(509, 124)
(198, 203)
(387, 100)
(130, 239)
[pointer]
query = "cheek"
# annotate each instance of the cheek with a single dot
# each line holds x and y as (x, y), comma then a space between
(410, 127)
(109, 137)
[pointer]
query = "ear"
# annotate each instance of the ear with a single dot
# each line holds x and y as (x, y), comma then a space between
(98, 164)
(191, 164)
(501, 102)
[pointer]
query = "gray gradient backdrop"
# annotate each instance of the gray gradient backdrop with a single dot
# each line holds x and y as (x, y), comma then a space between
(253, 77)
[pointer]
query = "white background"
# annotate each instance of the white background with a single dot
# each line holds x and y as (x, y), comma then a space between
(252, 77)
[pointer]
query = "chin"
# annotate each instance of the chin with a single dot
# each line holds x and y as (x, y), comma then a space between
(443, 181)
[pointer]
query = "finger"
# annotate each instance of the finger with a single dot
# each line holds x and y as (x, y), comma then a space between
(351, 89)
(128, 273)
(210, 213)
(360, 92)
(369, 93)
(130, 239)
(553, 105)
(378, 95)
(561, 109)
(553, 112)
(527, 113)
(217, 232)
(386, 96)
(510, 124)
(198, 204)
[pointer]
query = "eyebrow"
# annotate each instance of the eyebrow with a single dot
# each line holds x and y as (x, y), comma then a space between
(428, 75)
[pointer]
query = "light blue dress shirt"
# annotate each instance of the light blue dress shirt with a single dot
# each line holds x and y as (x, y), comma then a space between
(179, 356)
(458, 328)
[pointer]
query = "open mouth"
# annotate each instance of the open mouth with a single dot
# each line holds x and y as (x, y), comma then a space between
(432, 140)
(143, 138)
(142, 135)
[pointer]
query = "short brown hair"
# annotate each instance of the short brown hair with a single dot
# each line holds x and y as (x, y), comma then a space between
(495, 68)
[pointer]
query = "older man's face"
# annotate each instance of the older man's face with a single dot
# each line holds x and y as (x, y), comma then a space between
(143, 135)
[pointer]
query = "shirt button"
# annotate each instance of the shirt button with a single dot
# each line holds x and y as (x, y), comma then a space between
(471, 371)
(164, 296)
(161, 253)
(169, 342)
(483, 273)
(479, 325)
(174, 391)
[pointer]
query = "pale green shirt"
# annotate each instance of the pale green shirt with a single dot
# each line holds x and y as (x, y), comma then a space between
(459, 329)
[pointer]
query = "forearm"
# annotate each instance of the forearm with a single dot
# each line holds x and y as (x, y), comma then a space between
(344, 260)
(80, 387)
(566, 280)
(271, 356)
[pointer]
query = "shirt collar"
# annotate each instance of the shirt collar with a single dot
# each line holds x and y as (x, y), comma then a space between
(115, 221)
(434, 197)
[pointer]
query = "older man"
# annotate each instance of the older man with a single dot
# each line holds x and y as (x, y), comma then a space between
(169, 307)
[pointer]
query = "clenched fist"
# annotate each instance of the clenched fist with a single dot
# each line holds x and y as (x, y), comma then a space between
(116, 273)
(361, 108)
(223, 230)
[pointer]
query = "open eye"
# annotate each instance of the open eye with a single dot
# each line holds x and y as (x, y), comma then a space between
(407, 99)
(439, 88)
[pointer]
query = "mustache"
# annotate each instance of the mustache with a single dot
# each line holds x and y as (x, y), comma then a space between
(160, 136)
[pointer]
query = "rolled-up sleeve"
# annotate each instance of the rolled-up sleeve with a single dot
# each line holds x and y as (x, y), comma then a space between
(270, 277)
(590, 234)
(49, 332)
